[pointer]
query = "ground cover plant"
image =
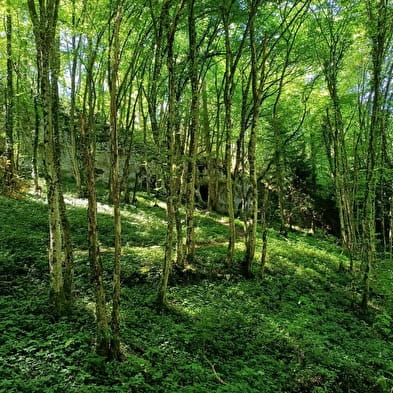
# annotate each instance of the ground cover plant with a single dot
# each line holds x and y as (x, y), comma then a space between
(297, 330)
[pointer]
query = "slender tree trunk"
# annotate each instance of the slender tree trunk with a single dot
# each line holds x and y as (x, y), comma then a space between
(340, 166)
(179, 191)
(74, 150)
(65, 225)
(231, 61)
(9, 172)
(380, 21)
(336, 46)
(264, 223)
(228, 77)
(87, 123)
(279, 175)
(193, 132)
(211, 171)
(158, 61)
(36, 139)
(103, 335)
(115, 352)
(278, 150)
(251, 213)
(124, 183)
(170, 30)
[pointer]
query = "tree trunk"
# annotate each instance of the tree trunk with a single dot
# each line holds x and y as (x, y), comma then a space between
(170, 30)
(115, 352)
(65, 225)
(380, 22)
(231, 61)
(9, 173)
(211, 170)
(87, 123)
(193, 132)
(47, 52)
(103, 336)
(251, 212)
(228, 86)
(36, 139)
(74, 150)
(264, 223)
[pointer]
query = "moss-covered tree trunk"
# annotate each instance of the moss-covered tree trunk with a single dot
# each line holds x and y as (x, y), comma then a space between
(68, 252)
(87, 123)
(103, 335)
(44, 26)
(380, 20)
(257, 84)
(170, 27)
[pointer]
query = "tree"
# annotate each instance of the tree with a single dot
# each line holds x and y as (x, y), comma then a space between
(87, 125)
(44, 23)
(334, 26)
(74, 151)
(232, 58)
(9, 170)
(251, 213)
(193, 134)
(115, 352)
(170, 27)
(379, 18)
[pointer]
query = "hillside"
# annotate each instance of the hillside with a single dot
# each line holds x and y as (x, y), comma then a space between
(297, 330)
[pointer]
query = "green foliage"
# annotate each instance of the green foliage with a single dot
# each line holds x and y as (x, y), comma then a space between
(293, 332)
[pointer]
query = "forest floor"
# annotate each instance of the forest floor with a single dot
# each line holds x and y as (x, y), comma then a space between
(297, 330)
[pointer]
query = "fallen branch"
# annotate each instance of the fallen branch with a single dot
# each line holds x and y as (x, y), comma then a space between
(219, 379)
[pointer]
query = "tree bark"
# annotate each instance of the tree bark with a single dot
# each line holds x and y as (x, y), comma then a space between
(380, 20)
(9, 173)
(251, 212)
(231, 61)
(103, 336)
(228, 95)
(115, 352)
(211, 169)
(264, 223)
(74, 150)
(194, 134)
(44, 27)
(87, 122)
(170, 30)
(65, 225)
(36, 139)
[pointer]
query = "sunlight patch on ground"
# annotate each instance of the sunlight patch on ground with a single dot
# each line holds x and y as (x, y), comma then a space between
(138, 218)
(37, 198)
(144, 257)
(83, 203)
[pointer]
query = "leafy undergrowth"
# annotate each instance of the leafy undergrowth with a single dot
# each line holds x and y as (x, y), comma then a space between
(298, 330)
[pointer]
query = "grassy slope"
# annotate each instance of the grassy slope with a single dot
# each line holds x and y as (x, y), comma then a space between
(295, 331)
